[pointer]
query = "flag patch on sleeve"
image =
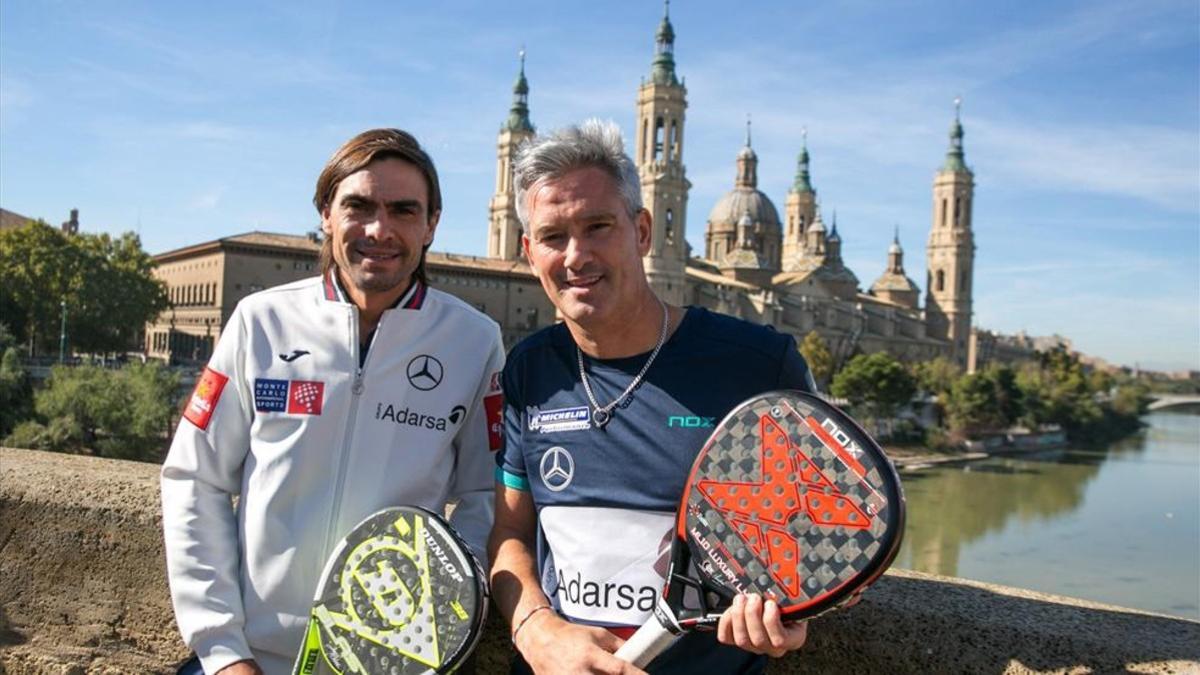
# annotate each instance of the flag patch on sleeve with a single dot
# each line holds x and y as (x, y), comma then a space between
(204, 399)
(493, 406)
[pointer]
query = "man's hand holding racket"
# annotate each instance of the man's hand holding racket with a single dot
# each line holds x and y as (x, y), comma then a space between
(551, 644)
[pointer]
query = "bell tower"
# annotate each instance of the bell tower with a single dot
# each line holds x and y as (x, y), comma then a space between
(950, 255)
(504, 228)
(800, 210)
(662, 100)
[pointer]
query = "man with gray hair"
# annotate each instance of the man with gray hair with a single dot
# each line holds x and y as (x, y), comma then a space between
(593, 467)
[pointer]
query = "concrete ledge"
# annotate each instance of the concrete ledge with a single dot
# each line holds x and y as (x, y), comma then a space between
(84, 591)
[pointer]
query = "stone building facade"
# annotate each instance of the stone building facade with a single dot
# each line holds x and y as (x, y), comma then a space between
(787, 272)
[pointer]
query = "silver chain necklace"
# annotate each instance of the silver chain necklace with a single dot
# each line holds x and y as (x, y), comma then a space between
(602, 414)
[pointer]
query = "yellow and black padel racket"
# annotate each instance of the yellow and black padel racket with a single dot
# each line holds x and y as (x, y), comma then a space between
(401, 594)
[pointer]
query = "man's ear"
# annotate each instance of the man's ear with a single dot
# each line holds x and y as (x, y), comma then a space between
(525, 250)
(644, 223)
(326, 225)
(433, 223)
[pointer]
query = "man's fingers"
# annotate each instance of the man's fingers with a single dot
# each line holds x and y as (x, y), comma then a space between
(756, 632)
(737, 621)
(773, 623)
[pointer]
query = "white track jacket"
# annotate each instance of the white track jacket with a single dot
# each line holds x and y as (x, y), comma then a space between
(311, 443)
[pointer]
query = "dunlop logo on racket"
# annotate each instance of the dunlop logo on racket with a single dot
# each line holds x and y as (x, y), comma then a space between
(401, 594)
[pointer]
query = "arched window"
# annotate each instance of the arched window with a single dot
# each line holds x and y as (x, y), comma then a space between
(675, 150)
(670, 228)
(941, 280)
(943, 218)
(658, 138)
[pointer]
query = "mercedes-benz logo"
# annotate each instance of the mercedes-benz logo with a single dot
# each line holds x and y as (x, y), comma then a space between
(558, 468)
(425, 372)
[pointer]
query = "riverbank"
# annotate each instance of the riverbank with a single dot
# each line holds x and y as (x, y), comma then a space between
(915, 458)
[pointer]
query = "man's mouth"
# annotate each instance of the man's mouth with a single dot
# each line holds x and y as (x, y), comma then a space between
(584, 281)
(376, 254)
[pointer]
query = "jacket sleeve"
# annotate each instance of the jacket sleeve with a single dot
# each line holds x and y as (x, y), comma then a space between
(202, 473)
(480, 436)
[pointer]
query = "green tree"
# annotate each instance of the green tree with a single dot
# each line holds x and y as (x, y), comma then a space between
(106, 284)
(936, 376)
(16, 393)
(972, 407)
(122, 413)
(818, 356)
(876, 384)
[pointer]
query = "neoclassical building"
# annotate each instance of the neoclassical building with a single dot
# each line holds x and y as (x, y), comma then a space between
(786, 271)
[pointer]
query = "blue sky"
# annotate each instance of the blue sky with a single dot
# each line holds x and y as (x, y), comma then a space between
(192, 121)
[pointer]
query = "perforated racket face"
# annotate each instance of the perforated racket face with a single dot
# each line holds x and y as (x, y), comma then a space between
(792, 500)
(401, 595)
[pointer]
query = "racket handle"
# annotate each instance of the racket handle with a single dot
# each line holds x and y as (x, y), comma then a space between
(649, 641)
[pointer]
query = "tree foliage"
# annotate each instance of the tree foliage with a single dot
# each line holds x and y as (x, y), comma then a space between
(818, 356)
(16, 394)
(937, 376)
(876, 384)
(124, 413)
(105, 282)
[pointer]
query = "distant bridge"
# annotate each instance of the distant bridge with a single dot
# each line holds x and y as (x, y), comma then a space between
(1164, 401)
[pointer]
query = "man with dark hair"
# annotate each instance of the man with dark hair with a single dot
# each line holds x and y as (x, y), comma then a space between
(326, 400)
(593, 467)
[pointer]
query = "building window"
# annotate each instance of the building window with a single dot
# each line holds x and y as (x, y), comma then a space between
(941, 280)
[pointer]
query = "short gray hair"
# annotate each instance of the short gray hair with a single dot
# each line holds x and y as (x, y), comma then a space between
(595, 143)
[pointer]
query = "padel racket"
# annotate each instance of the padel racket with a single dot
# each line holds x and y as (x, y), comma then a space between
(790, 499)
(401, 594)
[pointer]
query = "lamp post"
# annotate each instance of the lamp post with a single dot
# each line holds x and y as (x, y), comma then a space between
(62, 332)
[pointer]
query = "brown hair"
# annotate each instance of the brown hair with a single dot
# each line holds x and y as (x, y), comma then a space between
(354, 156)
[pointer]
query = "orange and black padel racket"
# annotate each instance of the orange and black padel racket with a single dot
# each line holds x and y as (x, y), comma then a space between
(789, 499)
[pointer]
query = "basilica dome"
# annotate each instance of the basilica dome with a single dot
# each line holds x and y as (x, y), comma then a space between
(739, 201)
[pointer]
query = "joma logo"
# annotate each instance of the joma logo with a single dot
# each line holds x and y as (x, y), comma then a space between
(691, 421)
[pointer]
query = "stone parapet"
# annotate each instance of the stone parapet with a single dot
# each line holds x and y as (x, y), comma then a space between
(84, 591)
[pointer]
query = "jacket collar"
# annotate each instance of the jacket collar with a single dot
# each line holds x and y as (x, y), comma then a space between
(413, 298)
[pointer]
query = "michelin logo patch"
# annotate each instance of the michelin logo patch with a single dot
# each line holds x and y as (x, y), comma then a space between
(562, 419)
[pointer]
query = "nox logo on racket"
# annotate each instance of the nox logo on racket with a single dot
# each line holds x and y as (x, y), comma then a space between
(762, 510)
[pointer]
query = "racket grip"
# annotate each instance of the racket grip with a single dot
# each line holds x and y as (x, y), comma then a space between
(649, 641)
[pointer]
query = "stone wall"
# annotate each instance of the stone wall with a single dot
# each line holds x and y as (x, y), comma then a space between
(84, 591)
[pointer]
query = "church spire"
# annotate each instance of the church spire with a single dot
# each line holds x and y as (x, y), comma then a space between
(518, 114)
(662, 70)
(954, 155)
(896, 255)
(747, 163)
(803, 182)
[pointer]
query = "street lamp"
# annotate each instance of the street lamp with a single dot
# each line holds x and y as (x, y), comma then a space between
(62, 333)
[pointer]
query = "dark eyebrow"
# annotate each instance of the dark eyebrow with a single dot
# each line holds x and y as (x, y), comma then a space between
(404, 204)
(355, 197)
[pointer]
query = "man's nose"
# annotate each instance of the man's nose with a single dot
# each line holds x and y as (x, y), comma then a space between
(381, 227)
(578, 252)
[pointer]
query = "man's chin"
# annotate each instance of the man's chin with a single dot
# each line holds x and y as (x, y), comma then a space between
(378, 282)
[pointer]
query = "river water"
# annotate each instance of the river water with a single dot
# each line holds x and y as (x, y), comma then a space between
(1119, 525)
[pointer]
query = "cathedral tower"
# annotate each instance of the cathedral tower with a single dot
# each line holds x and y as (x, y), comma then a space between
(799, 212)
(504, 229)
(661, 102)
(950, 255)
